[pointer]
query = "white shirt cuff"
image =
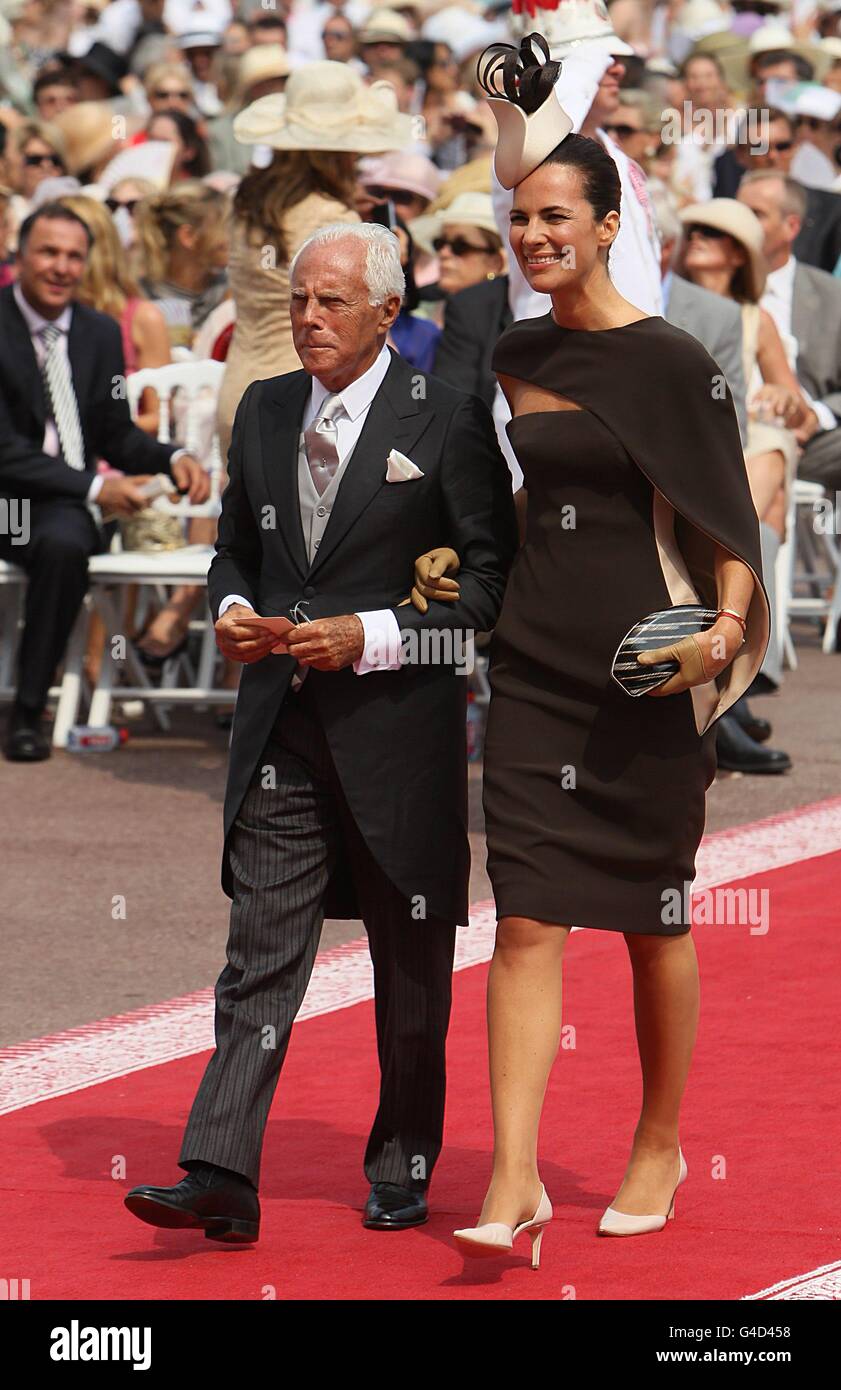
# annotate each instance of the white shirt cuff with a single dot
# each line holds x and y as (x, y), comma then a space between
(178, 454)
(228, 600)
(383, 644)
(826, 419)
(95, 488)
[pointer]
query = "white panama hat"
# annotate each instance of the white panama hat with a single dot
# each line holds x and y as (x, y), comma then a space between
(326, 106)
(567, 24)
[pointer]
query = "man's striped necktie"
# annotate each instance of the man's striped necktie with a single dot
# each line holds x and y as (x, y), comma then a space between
(64, 407)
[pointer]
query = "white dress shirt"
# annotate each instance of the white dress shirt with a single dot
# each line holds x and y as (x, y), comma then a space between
(778, 299)
(382, 650)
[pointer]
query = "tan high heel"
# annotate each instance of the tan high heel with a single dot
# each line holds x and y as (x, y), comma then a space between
(495, 1238)
(621, 1223)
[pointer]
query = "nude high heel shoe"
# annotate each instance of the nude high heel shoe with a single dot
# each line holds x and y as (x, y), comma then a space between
(620, 1223)
(495, 1238)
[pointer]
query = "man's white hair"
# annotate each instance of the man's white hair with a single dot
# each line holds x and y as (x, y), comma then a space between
(383, 271)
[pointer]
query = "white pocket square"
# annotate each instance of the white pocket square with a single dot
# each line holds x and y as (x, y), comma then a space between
(400, 469)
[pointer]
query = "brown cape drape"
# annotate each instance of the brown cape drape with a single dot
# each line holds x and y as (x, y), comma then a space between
(678, 424)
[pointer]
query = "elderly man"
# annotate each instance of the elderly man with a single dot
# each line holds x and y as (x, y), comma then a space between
(347, 785)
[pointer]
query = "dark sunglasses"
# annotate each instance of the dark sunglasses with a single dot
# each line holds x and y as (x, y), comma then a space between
(401, 196)
(623, 130)
(37, 161)
(113, 204)
(460, 246)
(336, 34)
(812, 122)
(172, 96)
(714, 233)
(776, 147)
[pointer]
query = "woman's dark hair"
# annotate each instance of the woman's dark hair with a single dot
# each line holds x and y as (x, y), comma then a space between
(599, 174)
(200, 162)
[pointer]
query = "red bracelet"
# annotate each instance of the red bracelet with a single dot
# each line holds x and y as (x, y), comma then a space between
(728, 613)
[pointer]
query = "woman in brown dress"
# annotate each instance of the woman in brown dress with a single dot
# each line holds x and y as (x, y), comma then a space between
(636, 499)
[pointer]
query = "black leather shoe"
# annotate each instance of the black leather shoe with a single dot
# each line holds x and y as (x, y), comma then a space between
(222, 1204)
(393, 1208)
(738, 753)
(25, 739)
(756, 728)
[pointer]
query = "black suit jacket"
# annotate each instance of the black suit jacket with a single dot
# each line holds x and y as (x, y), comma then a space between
(397, 737)
(473, 321)
(96, 361)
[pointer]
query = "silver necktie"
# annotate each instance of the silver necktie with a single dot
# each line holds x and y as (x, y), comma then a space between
(64, 407)
(321, 444)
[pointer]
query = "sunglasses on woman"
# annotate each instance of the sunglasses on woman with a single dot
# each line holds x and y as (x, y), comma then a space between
(40, 161)
(773, 147)
(401, 196)
(460, 246)
(623, 131)
(701, 229)
(171, 96)
(114, 204)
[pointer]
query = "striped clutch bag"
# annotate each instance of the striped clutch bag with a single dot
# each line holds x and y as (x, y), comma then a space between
(657, 630)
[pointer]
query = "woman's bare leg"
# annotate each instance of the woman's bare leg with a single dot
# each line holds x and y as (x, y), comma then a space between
(766, 475)
(666, 1003)
(524, 1028)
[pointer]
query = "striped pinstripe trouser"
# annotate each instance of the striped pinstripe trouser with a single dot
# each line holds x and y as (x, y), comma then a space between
(283, 847)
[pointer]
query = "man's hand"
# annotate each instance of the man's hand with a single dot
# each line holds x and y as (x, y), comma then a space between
(328, 644)
(239, 641)
(192, 478)
(122, 496)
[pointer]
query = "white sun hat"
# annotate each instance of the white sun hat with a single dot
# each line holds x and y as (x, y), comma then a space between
(327, 106)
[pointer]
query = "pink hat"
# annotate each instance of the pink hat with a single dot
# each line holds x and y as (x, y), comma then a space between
(411, 173)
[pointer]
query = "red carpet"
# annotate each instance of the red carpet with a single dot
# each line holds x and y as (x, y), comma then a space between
(760, 1133)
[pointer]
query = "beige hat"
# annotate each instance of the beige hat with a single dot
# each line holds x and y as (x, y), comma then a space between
(524, 138)
(262, 63)
(385, 26)
(740, 223)
(771, 37)
(88, 130)
(326, 106)
(467, 209)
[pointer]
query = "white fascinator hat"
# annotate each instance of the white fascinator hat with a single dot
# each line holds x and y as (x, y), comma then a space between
(519, 84)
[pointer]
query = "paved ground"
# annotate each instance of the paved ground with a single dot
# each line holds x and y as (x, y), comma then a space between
(144, 823)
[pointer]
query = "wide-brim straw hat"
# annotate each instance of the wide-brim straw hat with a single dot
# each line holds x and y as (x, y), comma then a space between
(261, 64)
(740, 223)
(327, 106)
(88, 132)
(467, 209)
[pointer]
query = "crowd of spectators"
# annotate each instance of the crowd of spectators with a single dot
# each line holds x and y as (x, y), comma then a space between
(200, 142)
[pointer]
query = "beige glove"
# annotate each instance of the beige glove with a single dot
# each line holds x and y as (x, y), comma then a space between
(430, 583)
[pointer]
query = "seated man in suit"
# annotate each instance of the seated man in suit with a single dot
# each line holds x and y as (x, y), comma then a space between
(805, 303)
(62, 408)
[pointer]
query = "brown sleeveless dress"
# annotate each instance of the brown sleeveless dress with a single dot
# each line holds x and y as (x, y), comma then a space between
(595, 802)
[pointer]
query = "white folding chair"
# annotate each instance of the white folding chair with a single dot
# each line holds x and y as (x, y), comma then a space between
(812, 563)
(151, 571)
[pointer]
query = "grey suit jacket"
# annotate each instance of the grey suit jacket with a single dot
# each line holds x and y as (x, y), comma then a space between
(717, 323)
(816, 324)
